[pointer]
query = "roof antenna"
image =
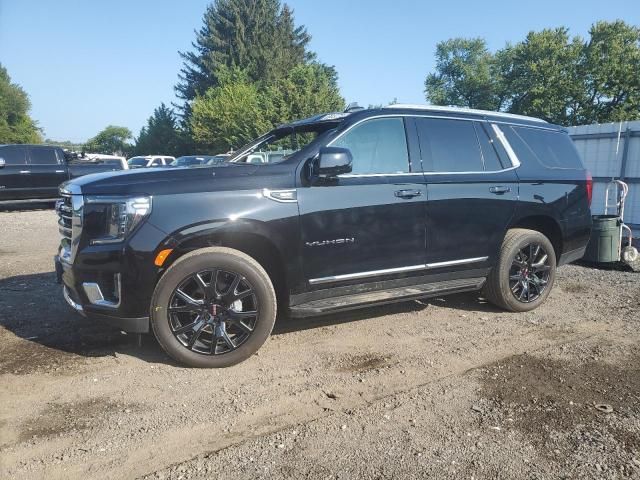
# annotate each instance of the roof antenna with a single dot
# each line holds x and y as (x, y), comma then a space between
(353, 107)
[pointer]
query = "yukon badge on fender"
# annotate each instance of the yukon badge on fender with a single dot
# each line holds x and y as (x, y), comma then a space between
(337, 241)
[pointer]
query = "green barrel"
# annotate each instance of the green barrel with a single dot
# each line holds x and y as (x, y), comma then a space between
(605, 239)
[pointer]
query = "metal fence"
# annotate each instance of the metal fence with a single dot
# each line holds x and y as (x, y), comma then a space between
(612, 151)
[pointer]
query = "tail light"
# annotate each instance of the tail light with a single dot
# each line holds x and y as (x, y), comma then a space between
(589, 187)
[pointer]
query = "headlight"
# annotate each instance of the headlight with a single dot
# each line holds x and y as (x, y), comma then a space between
(121, 216)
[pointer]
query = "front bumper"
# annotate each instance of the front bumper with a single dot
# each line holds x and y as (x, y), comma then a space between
(83, 297)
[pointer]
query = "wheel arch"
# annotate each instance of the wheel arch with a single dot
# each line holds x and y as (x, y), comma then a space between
(545, 224)
(251, 242)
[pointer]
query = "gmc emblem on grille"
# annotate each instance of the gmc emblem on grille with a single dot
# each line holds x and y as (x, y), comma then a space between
(337, 241)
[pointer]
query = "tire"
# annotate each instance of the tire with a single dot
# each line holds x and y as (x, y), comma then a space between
(208, 312)
(504, 290)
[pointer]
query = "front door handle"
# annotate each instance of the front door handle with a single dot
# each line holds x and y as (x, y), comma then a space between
(24, 172)
(500, 190)
(407, 194)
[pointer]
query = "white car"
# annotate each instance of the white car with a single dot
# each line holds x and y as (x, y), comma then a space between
(114, 160)
(148, 161)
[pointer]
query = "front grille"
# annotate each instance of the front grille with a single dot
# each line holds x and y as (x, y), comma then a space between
(65, 217)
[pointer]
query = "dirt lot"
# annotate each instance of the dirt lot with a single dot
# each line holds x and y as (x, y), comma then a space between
(445, 388)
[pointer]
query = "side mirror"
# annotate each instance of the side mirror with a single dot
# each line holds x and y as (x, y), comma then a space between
(2, 163)
(333, 161)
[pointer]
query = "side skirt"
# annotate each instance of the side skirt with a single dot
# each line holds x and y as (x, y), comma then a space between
(380, 297)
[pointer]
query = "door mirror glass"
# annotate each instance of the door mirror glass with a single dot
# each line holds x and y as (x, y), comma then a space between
(2, 163)
(334, 161)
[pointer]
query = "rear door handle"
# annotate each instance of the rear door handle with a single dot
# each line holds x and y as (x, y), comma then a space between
(25, 171)
(499, 189)
(407, 194)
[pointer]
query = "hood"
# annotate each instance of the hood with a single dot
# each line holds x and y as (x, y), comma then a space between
(160, 181)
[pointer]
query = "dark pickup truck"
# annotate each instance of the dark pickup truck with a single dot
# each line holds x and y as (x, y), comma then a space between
(34, 172)
(330, 213)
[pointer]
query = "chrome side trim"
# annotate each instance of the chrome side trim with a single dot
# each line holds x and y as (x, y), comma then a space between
(451, 263)
(507, 146)
(72, 304)
(365, 175)
(372, 273)
(388, 271)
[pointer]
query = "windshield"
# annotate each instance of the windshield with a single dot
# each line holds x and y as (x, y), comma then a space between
(137, 161)
(279, 145)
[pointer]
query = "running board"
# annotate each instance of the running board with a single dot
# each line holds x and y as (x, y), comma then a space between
(369, 299)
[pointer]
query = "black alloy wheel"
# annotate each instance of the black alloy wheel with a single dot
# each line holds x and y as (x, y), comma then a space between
(529, 273)
(523, 275)
(213, 312)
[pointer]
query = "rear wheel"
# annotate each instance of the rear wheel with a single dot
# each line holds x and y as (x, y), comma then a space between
(525, 272)
(214, 307)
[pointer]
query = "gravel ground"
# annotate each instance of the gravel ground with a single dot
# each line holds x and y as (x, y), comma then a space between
(445, 388)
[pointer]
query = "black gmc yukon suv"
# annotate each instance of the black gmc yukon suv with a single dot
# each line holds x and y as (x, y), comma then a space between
(330, 213)
(34, 172)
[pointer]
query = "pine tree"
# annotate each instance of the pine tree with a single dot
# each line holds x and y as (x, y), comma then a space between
(161, 135)
(258, 36)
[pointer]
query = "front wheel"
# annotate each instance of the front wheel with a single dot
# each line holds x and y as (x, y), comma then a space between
(525, 272)
(213, 307)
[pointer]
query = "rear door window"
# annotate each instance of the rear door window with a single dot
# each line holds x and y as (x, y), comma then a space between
(449, 145)
(14, 154)
(43, 156)
(377, 146)
(551, 149)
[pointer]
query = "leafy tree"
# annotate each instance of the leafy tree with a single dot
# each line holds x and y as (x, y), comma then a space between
(307, 90)
(110, 141)
(610, 70)
(240, 110)
(548, 75)
(464, 75)
(229, 115)
(258, 36)
(161, 135)
(16, 126)
(539, 76)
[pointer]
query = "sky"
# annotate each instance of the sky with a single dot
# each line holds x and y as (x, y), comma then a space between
(87, 64)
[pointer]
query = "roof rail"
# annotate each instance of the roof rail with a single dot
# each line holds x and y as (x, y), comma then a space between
(441, 108)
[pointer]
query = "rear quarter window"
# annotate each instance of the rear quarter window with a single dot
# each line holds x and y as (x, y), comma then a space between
(549, 148)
